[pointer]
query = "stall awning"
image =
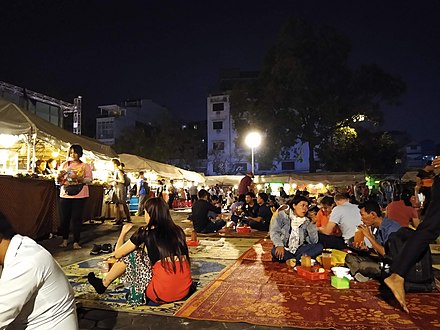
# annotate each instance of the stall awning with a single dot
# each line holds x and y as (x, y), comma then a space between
(136, 163)
(16, 121)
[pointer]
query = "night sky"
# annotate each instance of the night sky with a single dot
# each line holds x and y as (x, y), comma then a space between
(173, 51)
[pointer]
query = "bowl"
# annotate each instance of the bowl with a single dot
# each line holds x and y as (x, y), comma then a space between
(291, 262)
(340, 271)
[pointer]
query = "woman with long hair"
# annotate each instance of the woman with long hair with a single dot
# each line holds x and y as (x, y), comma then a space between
(154, 261)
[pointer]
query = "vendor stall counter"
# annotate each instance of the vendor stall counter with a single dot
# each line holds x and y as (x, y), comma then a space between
(32, 205)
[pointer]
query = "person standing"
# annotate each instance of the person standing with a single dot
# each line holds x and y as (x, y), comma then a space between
(143, 192)
(172, 192)
(245, 184)
(159, 190)
(120, 193)
(426, 232)
(73, 176)
(34, 292)
(193, 193)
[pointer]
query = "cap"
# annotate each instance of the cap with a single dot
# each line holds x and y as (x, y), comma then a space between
(250, 174)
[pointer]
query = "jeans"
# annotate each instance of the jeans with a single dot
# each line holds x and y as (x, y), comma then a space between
(312, 250)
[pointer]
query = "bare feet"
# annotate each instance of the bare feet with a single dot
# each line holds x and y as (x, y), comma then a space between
(396, 284)
(76, 246)
(63, 244)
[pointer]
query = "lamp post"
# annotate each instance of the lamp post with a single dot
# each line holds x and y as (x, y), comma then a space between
(253, 140)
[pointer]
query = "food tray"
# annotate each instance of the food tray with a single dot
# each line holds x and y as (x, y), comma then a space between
(314, 276)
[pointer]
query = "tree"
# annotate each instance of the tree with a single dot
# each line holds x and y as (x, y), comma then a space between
(306, 90)
(359, 150)
(158, 142)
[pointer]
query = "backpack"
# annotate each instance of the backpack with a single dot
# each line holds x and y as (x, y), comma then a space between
(420, 278)
(146, 188)
(127, 181)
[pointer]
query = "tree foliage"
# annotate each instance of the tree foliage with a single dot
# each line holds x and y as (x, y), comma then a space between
(306, 90)
(359, 150)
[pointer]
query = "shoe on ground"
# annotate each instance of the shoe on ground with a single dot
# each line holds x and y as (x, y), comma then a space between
(96, 249)
(361, 278)
(106, 248)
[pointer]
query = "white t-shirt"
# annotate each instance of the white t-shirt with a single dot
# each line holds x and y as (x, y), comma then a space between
(34, 292)
(347, 216)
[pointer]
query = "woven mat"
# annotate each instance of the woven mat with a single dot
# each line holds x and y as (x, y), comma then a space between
(208, 260)
(267, 293)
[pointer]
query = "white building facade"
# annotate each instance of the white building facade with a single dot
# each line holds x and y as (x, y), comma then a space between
(226, 155)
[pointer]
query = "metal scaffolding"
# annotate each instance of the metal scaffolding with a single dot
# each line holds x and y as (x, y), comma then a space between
(66, 108)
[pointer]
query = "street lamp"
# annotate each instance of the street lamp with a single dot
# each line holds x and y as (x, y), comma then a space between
(253, 140)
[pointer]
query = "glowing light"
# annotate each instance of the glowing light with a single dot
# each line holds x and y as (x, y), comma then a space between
(8, 141)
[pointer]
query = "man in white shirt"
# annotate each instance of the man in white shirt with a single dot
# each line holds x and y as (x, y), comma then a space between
(34, 292)
(346, 216)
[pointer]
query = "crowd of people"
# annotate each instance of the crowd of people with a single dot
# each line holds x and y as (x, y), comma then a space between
(154, 261)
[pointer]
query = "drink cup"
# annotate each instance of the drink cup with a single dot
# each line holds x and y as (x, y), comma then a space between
(110, 262)
(306, 262)
(358, 238)
(326, 259)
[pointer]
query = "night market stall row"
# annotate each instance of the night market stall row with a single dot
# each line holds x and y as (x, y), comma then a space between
(31, 199)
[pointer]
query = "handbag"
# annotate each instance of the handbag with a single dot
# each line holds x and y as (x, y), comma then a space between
(73, 189)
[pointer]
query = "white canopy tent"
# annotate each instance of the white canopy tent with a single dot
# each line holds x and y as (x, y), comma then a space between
(135, 163)
(31, 130)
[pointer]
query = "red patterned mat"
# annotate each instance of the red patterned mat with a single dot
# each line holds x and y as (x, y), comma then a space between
(269, 293)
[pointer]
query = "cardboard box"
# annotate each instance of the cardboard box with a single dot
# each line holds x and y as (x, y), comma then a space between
(340, 282)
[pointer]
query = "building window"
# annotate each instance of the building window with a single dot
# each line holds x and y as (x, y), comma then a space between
(104, 129)
(218, 107)
(239, 168)
(218, 146)
(288, 166)
(217, 125)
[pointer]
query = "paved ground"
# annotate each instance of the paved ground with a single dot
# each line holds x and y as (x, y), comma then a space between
(106, 232)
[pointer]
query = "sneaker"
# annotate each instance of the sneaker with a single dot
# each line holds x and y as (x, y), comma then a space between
(106, 248)
(96, 249)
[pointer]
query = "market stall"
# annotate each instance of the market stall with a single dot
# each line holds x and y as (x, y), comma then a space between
(30, 200)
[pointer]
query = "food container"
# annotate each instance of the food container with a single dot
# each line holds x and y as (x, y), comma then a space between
(243, 230)
(312, 274)
(340, 282)
(190, 242)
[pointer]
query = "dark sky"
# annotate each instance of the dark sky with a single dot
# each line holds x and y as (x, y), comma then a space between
(172, 51)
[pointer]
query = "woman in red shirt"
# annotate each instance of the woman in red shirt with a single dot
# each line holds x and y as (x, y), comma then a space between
(154, 261)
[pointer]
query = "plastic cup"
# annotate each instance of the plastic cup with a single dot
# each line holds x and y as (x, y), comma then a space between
(326, 260)
(358, 238)
(306, 262)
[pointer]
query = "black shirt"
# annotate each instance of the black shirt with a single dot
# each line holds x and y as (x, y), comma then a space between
(265, 213)
(200, 211)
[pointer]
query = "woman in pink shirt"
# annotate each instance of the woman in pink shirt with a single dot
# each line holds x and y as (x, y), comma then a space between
(73, 176)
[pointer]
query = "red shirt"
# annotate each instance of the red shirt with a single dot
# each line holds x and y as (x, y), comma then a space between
(243, 187)
(401, 213)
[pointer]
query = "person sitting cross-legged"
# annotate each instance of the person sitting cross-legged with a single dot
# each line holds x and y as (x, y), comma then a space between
(366, 266)
(292, 233)
(202, 212)
(154, 261)
(262, 220)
